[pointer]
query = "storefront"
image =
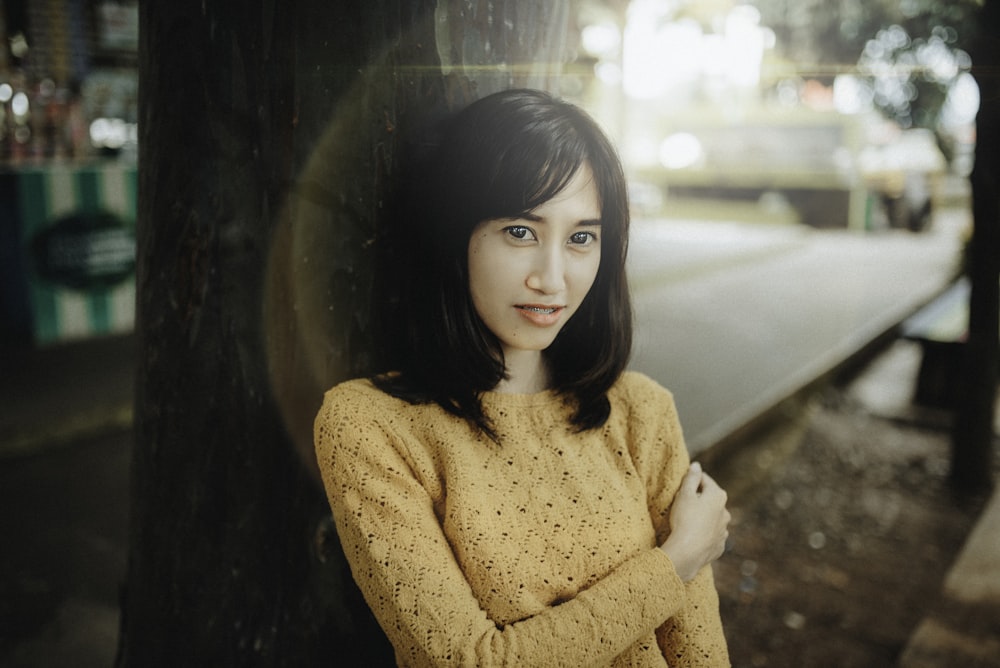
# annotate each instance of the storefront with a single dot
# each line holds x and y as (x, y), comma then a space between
(68, 143)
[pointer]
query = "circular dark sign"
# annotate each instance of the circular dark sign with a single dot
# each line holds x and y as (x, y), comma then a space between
(85, 251)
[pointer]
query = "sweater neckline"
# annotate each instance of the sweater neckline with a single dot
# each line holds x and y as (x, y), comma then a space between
(517, 400)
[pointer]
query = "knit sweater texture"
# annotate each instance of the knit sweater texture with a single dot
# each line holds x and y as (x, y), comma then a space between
(537, 551)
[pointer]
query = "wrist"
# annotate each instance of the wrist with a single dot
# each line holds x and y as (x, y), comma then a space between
(682, 560)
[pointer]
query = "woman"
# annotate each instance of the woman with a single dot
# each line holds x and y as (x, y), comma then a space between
(510, 495)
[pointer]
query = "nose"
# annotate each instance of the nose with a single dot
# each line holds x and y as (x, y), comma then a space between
(548, 271)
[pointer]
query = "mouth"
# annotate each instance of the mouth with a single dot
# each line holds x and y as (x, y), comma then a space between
(540, 314)
(534, 308)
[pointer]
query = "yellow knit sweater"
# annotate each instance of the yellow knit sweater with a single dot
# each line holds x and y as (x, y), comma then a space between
(540, 551)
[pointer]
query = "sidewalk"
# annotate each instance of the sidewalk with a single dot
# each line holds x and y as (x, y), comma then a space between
(65, 447)
(964, 629)
(55, 396)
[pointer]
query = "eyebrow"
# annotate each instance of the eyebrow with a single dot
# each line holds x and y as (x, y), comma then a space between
(586, 222)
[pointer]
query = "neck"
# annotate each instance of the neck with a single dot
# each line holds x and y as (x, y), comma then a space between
(527, 373)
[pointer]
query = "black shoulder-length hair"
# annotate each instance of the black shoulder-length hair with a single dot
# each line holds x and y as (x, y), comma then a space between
(500, 157)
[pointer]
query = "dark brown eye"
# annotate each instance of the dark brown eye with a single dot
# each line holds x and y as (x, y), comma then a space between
(518, 232)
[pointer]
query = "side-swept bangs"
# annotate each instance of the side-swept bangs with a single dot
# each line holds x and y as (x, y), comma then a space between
(506, 155)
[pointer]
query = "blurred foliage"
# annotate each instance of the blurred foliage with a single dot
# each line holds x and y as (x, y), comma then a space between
(909, 51)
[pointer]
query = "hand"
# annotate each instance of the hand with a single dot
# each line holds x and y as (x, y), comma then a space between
(699, 524)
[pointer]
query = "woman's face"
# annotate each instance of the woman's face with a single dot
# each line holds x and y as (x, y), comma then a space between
(529, 275)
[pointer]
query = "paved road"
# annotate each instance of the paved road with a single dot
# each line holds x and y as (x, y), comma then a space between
(735, 317)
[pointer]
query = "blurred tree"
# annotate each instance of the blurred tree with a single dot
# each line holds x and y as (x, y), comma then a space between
(973, 431)
(253, 117)
(910, 52)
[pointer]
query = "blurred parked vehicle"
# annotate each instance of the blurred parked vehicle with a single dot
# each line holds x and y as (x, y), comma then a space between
(823, 168)
(904, 170)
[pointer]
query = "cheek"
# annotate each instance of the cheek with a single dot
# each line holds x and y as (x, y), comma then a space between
(478, 271)
(487, 269)
(586, 273)
(478, 286)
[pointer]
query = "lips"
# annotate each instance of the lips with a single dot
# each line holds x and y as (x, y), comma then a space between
(540, 314)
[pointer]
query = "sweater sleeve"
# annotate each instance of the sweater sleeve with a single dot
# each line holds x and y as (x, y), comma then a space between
(409, 576)
(694, 635)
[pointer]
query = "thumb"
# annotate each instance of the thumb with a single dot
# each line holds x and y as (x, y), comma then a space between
(693, 478)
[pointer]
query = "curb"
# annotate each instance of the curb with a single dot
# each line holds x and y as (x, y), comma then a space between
(43, 439)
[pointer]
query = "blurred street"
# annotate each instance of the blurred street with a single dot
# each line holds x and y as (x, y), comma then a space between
(734, 318)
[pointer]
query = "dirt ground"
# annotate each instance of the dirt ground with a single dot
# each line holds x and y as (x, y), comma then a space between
(844, 525)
